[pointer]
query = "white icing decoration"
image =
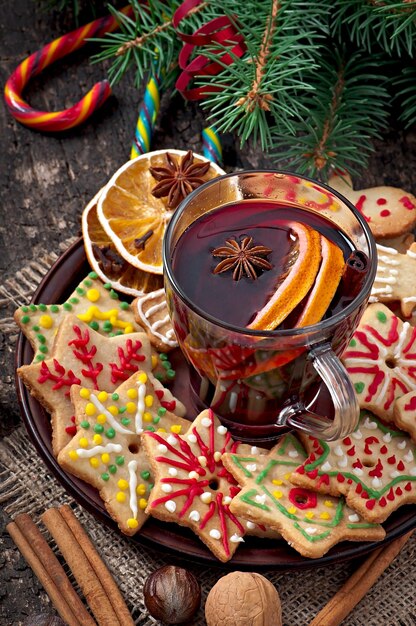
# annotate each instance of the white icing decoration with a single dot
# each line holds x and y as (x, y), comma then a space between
(409, 456)
(311, 530)
(109, 447)
(215, 534)
(376, 482)
(202, 460)
(369, 423)
(170, 505)
(221, 430)
(358, 471)
(206, 422)
(381, 248)
(260, 499)
(172, 471)
(411, 254)
(339, 451)
(293, 454)
(132, 467)
(193, 474)
(162, 448)
(343, 462)
(250, 525)
(217, 456)
(110, 418)
(357, 434)
(251, 467)
(168, 338)
(254, 450)
(402, 444)
(233, 401)
(412, 471)
(166, 487)
(206, 497)
(194, 516)
(141, 407)
(326, 466)
(394, 474)
(387, 438)
(354, 517)
(236, 538)
(172, 440)
(192, 438)
(227, 500)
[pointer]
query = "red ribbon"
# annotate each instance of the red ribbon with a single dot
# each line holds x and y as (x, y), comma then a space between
(219, 30)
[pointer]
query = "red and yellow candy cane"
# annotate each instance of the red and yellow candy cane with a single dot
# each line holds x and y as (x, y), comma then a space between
(36, 62)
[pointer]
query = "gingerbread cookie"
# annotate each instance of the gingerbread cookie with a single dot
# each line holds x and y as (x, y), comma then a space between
(192, 487)
(389, 211)
(106, 452)
(396, 278)
(381, 360)
(374, 468)
(92, 302)
(311, 523)
(81, 356)
(151, 312)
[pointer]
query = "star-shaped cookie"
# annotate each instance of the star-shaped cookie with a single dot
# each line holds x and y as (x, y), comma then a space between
(192, 487)
(310, 522)
(107, 452)
(381, 360)
(92, 302)
(374, 468)
(81, 356)
(151, 313)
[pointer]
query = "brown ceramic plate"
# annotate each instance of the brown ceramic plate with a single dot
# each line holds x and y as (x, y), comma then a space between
(57, 285)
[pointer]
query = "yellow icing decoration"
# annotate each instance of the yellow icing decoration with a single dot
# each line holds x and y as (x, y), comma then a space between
(101, 419)
(84, 393)
(329, 503)
(45, 321)
(97, 439)
(112, 409)
(141, 489)
(132, 523)
(142, 503)
(90, 409)
(148, 401)
(278, 494)
(310, 514)
(122, 484)
(325, 515)
(292, 510)
(277, 481)
(176, 428)
(105, 458)
(131, 407)
(121, 497)
(102, 396)
(154, 361)
(161, 430)
(147, 417)
(132, 394)
(93, 295)
(73, 455)
(94, 462)
(128, 329)
(142, 377)
(287, 475)
(83, 442)
(112, 315)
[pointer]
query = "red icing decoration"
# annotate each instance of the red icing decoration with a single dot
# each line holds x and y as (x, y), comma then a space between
(400, 466)
(408, 487)
(323, 480)
(383, 449)
(391, 460)
(381, 201)
(128, 361)
(303, 498)
(312, 474)
(370, 504)
(351, 451)
(61, 378)
(86, 356)
(377, 470)
(390, 495)
(359, 488)
(411, 405)
(300, 470)
(407, 203)
(71, 430)
(385, 213)
(357, 463)
(399, 492)
(360, 203)
(340, 478)
(382, 502)
(347, 441)
(368, 442)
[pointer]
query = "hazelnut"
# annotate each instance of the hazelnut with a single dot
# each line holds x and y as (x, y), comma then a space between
(172, 594)
(243, 599)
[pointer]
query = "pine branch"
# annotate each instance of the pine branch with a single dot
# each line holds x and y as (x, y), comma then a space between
(347, 110)
(406, 96)
(390, 24)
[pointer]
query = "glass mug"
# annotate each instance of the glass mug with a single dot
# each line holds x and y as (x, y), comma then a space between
(263, 383)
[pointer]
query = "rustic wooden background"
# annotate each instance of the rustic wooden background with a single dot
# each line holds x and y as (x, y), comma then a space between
(46, 180)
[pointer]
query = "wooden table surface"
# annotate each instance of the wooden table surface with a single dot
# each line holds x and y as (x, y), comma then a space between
(46, 180)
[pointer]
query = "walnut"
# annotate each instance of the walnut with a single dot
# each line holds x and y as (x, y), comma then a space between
(243, 599)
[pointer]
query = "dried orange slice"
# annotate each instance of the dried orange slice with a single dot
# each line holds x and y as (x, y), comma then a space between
(297, 283)
(106, 261)
(133, 218)
(326, 284)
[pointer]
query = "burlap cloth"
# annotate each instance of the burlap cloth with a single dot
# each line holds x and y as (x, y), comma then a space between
(28, 486)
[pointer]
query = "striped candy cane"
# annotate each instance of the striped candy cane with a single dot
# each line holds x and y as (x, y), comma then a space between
(146, 120)
(211, 145)
(36, 62)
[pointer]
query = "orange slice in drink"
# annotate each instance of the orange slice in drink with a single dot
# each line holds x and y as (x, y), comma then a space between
(105, 260)
(326, 284)
(133, 218)
(297, 283)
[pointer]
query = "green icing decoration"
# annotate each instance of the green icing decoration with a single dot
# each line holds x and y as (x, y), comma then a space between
(40, 357)
(119, 460)
(166, 365)
(36, 329)
(54, 308)
(363, 525)
(113, 295)
(381, 316)
(43, 349)
(107, 326)
(67, 306)
(25, 309)
(87, 283)
(238, 460)
(159, 377)
(352, 343)
(94, 325)
(247, 498)
(171, 374)
(84, 424)
(110, 433)
(74, 300)
(33, 307)
(107, 286)
(112, 469)
(115, 397)
(150, 428)
(43, 307)
(126, 421)
(80, 291)
(98, 428)
(25, 319)
(124, 306)
(105, 476)
(161, 411)
(145, 475)
(156, 420)
(163, 356)
(311, 538)
(41, 338)
(122, 409)
(359, 387)
(93, 275)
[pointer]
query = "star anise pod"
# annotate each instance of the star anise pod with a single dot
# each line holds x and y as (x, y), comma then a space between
(242, 257)
(178, 177)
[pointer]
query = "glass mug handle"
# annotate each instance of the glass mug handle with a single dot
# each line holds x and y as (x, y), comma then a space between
(340, 387)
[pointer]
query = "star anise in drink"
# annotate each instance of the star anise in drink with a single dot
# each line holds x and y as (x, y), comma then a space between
(242, 257)
(178, 177)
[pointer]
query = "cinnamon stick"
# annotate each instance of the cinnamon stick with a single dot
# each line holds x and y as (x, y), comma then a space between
(101, 570)
(355, 588)
(81, 568)
(58, 600)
